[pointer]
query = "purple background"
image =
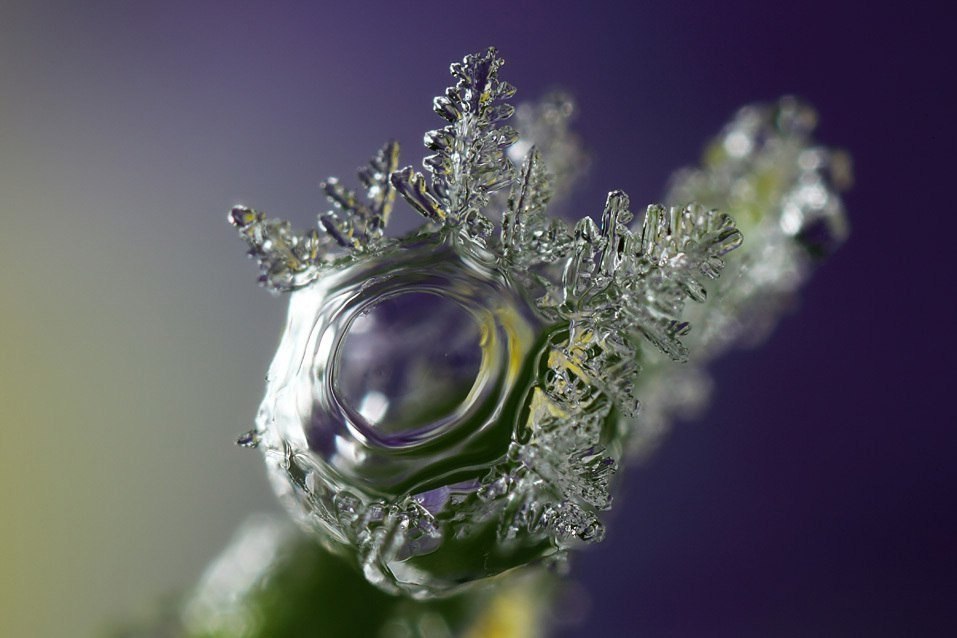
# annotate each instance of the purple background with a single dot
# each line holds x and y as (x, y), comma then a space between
(817, 497)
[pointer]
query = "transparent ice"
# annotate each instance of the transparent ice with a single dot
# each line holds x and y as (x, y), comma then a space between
(455, 403)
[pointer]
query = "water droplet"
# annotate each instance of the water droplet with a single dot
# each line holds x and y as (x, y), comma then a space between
(249, 439)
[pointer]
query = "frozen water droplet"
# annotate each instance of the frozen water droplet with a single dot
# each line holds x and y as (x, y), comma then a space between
(451, 404)
(249, 439)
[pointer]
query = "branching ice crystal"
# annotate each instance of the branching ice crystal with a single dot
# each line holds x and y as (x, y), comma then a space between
(469, 161)
(290, 260)
(353, 224)
(454, 403)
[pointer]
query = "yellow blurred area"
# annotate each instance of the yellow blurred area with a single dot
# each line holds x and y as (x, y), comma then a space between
(122, 389)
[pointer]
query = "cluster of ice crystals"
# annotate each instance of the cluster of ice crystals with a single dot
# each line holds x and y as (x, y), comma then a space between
(784, 191)
(290, 260)
(577, 322)
(469, 161)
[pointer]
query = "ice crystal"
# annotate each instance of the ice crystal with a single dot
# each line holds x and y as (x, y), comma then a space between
(454, 403)
(784, 190)
(470, 161)
(354, 224)
(290, 260)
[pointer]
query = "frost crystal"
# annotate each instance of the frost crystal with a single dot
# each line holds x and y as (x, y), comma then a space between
(290, 260)
(454, 403)
(469, 161)
(784, 191)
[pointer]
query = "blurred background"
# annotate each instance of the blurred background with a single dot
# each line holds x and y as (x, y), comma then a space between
(816, 498)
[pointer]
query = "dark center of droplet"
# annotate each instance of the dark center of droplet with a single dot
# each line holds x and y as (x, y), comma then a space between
(408, 362)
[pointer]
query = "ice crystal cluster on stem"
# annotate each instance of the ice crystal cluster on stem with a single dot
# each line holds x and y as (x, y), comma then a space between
(454, 403)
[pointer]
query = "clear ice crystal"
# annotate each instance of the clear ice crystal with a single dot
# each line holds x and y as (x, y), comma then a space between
(528, 235)
(289, 260)
(354, 224)
(469, 162)
(452, 404)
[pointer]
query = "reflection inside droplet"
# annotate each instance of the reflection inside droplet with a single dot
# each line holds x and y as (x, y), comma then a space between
(409, 359)
(374, 406)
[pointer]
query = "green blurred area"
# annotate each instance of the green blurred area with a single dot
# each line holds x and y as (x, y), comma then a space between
(273, 582)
